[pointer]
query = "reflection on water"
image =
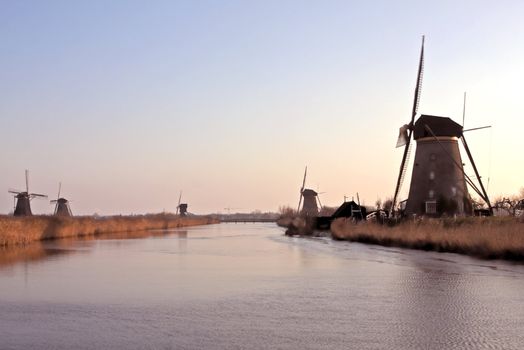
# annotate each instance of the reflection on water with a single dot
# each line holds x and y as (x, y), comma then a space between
(248, 286)
(49, 249)
(29, 253)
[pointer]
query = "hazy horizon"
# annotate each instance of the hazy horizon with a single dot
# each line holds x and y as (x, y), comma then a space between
(127, 103)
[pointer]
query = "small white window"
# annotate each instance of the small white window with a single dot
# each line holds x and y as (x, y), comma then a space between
(431, 194)
(431, 207)
(453, 191)
(432, 175)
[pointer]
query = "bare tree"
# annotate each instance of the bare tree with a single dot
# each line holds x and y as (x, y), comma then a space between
(387, 204)
(478, 203)
(286, 211)
(511, 204)
(327, 211)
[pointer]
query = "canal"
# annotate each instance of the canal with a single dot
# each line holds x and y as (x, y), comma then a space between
(247, 286)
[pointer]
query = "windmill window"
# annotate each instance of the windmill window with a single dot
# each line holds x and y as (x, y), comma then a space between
(432, 175)
(454, 191)
(431, 194)
(433, 156)
(431, 207)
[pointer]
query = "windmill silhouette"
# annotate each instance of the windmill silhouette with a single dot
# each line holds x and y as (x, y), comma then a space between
(310, 199)
(438, 181)
(22, 199)
(61, 204)
(181, 208)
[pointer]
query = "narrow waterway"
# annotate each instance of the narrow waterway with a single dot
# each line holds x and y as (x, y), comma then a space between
(247, 286)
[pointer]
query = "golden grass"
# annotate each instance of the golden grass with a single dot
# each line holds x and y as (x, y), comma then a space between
(23, 230)
(489, 238)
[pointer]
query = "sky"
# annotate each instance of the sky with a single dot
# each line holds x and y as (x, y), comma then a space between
(127, 103)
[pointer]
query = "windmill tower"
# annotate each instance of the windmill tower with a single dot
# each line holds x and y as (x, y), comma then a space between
(438, 181)
(61, 204)
(23, 199)
(181, 208)
(310, 198)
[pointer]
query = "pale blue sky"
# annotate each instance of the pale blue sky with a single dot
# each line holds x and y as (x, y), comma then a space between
(127, 102)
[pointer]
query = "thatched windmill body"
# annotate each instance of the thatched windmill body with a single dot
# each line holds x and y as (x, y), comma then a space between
(23, 199)
(62, 207)
(309, 198)
(438, 181)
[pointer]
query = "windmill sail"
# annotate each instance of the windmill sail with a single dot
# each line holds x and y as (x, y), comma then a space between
(402, 136)
(485, 197)
(23, 198)
(416, 100)
(27, 181)
(178, 205)
(61, 204)
(302, 190)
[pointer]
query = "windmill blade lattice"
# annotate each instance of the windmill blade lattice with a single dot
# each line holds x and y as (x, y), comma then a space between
(302, 190)
(178, 205)
(416, 101)
(27, 181)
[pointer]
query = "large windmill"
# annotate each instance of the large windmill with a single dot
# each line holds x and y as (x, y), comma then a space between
(438, 181)
(181, 208)
(23, 199)
(61, 204)
(310, 198)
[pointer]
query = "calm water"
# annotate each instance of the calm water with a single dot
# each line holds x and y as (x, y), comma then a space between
(239, 286)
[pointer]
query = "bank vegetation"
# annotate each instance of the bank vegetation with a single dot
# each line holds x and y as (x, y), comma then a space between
(24, 230)
(486, 237)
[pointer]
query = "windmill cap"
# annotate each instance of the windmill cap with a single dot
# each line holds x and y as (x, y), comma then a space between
(308, 192)
(441, 126)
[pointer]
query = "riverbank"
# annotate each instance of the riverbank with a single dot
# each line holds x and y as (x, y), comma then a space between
(297, 225)
(487, 238)
(24, 230)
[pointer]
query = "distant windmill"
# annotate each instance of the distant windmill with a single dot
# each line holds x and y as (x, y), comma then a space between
(61, 204)
(181, 208)
(23, 198)
(310, 198)
(438, 181)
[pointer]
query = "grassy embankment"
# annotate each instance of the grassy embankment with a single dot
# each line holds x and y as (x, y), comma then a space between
(488, 238)
(297, 225)
(23, 230)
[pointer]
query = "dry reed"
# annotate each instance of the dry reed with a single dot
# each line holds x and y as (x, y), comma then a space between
(488, 238)
(23, 230)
